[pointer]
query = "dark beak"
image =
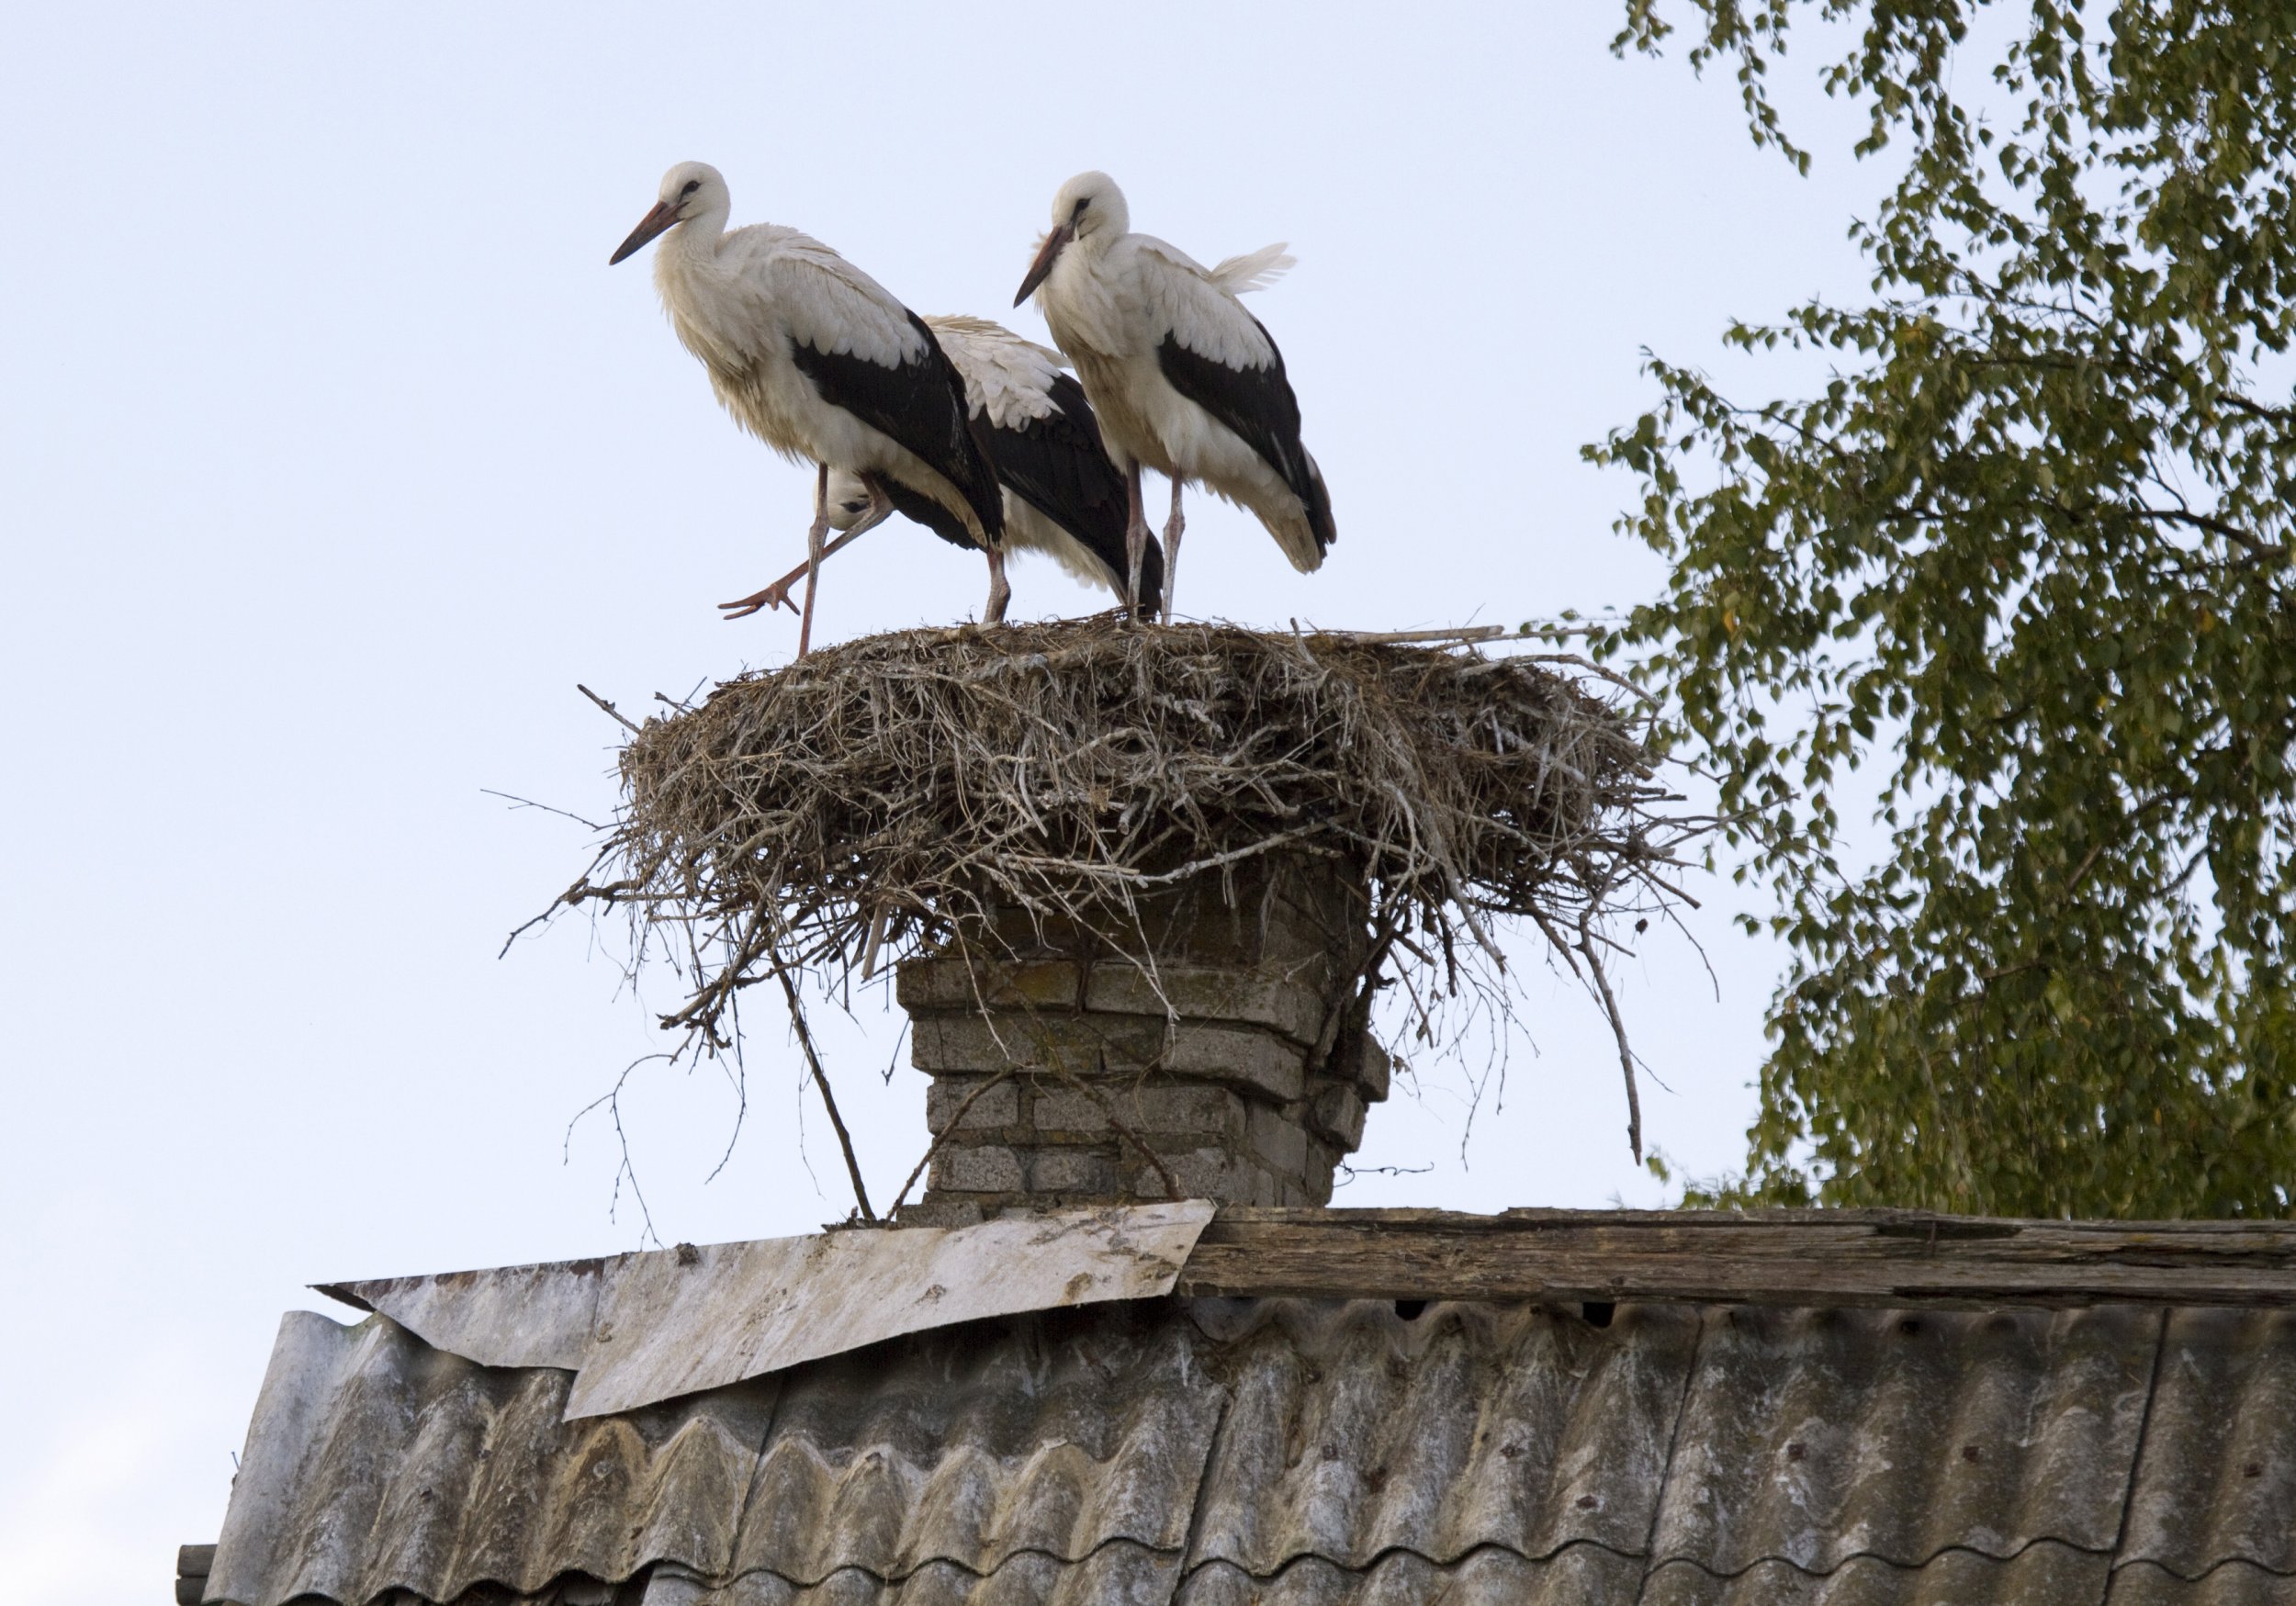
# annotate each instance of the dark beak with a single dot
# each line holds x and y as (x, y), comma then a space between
(1045, 255)
(664, 214)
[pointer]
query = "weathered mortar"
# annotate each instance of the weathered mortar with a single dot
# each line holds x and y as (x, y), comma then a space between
(1237, 1052)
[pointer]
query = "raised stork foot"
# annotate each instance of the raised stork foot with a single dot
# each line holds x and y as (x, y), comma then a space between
(774, 596)
(777, 594)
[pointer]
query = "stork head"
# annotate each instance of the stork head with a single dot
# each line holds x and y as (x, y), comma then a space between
(688, 190)
(848, 500)
(1089, 207)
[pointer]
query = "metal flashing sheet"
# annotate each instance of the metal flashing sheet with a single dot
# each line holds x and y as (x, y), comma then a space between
(639, 1329)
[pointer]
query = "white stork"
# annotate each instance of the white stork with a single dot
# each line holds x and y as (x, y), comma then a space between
(1184, 379)
(1062, 495)
(818, 361)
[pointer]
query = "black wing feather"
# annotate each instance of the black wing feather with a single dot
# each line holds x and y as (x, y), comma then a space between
(916, 505)
(1258, 404)
(920, 405)
(1058, 464)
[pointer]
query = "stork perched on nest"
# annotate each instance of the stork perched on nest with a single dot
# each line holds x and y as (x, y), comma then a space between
(1062, 495)
(821, 363)
(1184, 379)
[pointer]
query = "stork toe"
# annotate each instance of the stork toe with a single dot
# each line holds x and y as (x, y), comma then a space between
(774, 596)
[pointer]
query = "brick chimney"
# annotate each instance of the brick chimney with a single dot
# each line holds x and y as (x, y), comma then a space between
(1249, 1088)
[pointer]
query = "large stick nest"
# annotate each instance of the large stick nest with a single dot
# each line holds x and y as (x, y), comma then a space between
(863, 802)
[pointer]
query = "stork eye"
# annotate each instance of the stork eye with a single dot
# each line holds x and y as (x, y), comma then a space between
(1080, 208)
(692, 185)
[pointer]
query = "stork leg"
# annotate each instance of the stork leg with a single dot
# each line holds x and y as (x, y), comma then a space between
(1136, 537)
(777, 594)
(999, 589)
(1172, 529)
(816, 539)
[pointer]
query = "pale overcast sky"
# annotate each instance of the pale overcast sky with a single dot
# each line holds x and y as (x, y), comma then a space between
(334, 454)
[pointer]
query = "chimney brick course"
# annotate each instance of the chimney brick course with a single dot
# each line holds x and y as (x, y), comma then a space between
(1235, 1056)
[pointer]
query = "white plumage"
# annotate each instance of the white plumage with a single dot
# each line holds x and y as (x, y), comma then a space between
(813, 357)
(1186, 381)
(1253, 270)
(1007, 379)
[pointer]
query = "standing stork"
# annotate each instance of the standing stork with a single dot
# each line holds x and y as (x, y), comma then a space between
(818, 361)
(1184, 379)
(1062, 495)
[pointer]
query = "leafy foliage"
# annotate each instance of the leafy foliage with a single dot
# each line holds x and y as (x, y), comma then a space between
(2026, 560)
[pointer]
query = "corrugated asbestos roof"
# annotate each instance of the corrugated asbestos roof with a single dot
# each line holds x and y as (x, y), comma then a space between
(1288, 1452)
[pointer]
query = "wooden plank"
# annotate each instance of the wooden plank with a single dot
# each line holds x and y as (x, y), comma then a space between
(1888, 1258)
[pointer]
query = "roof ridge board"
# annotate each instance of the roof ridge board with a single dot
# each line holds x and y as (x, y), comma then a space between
(1518, 1219)
(1888, 1222)
(1601, 1256)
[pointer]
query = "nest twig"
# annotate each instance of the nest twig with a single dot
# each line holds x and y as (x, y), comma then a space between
(876, 795)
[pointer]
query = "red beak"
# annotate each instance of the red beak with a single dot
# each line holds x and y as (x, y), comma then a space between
(664, 214)
(1045, 255)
